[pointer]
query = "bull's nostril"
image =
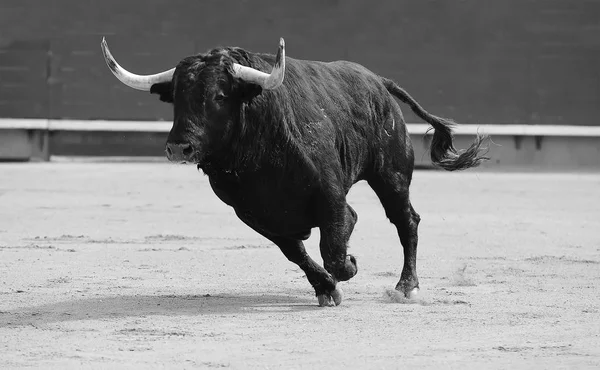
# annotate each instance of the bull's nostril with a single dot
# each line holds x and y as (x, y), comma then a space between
(168, 150)
(187, 150)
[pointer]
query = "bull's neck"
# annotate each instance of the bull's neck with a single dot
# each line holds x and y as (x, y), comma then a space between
(259, 139)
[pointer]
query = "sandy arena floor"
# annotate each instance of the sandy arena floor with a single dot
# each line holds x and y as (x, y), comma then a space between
(115, 265)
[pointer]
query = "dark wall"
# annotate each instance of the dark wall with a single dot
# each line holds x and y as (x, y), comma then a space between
(478, 61)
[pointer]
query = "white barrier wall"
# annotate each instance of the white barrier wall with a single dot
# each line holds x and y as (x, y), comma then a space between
(545, 147)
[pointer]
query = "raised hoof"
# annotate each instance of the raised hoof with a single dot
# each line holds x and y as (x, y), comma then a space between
(349, 270)
(330, 300)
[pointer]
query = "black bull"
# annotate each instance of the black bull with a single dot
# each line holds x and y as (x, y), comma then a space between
(285, 158)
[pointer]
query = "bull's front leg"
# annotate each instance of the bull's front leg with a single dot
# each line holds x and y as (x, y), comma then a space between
(293, 249)
(337, 222)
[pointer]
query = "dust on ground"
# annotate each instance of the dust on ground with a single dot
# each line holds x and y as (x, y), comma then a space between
(121, 265)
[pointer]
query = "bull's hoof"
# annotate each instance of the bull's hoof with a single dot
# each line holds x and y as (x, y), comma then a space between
(332, 299)
(349, 270)
(412, 294)
(410, 289)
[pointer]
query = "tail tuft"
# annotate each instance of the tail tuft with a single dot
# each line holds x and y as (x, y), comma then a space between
(443, 154)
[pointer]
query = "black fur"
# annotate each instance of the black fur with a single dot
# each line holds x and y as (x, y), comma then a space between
(164, 91)
(285, 159)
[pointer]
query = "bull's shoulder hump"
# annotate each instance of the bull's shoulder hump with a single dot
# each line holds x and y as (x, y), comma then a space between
(340, 66)
(336, 64)
(345, 64)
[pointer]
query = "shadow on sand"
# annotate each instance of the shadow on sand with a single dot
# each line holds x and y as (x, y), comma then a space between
(114, 307)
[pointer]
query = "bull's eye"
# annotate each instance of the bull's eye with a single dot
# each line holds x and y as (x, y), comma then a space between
(220, 97)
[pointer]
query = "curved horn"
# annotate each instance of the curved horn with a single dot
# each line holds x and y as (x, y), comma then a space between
(132, 80)
(265, 80)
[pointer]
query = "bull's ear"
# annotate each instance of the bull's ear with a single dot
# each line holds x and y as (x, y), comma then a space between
(164, 91)
(249, 91)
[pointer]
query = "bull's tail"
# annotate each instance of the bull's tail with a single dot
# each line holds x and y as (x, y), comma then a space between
(443, 154)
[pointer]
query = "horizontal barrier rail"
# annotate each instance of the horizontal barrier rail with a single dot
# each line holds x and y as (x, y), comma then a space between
(413, 128)
(527, 146)
(514, 130)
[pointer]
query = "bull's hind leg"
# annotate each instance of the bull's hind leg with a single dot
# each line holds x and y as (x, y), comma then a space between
(392, 190)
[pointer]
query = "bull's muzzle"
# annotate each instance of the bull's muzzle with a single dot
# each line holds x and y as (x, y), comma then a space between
(180, 153)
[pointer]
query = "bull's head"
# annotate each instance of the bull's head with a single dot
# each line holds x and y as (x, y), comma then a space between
(207, 92)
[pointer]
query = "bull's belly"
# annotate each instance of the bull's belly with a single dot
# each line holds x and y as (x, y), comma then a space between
(276, 210)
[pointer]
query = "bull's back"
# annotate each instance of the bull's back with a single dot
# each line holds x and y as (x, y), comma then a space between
(344, 88)
(340, 110)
